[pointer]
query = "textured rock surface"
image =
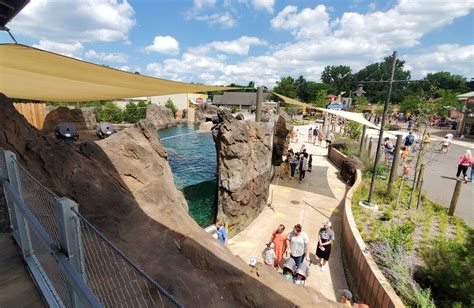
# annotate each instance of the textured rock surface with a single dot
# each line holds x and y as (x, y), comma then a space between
(244, 168)
(204, 112)
(159, 117)
(84, 118)
(124, 186)
(280, 137)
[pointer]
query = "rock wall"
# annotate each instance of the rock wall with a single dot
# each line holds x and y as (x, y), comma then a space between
(204, 112)
(124, 185)
(244, 151)
(281, 138)
(83, 118)
(159, 117)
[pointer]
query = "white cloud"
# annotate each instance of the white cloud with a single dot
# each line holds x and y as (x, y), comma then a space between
(165, 45)
(266, 5)
(199, 4)
(67, 49)
(75, 21)
(107, 57)
(240, 46)
(307, 24)
(453, 58)
(354, 39)
(225, 19)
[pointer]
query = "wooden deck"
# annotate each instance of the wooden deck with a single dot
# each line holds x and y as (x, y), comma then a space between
(17, 289)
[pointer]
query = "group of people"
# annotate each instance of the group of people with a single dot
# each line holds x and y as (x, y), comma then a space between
(300, 161)
(315, 136)
(296, 244)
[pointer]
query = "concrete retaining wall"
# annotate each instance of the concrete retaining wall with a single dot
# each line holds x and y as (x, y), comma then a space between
(365, 277)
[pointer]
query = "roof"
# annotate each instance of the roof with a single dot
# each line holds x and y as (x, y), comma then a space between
(9, 9)
(36, 74)
(237, 98)
(465, 96)
(353, 116)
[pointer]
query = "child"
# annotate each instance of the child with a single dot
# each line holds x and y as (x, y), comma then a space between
(269, 255)
(404, 153)
(406, 168)
(445, 145)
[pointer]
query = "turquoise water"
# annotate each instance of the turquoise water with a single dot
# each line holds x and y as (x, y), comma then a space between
(192, 157)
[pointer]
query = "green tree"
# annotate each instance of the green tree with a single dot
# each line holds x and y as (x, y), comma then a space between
(134, 112)
(286, 87)
(447, 81)
(353, 129)
(170, 105)
(109, 112)
(380, 71)
(410, 104)
(316, 90)
(301, 88)
(340, 77)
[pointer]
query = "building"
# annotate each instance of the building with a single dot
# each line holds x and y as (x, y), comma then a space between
(466, 127)
(181, 101)
(245, 100)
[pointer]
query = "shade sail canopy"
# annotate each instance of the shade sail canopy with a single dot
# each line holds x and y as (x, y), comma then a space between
(465, 96)
(34, 74)
(353, 116)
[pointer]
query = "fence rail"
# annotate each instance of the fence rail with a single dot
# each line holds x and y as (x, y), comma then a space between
(72, 263)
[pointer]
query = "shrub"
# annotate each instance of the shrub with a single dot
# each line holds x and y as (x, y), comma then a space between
(169, 104)
(397, 266)
(130, 113)
(449, 271)
(400, 235)
(234, 109)
(109, 113)
(353, 129)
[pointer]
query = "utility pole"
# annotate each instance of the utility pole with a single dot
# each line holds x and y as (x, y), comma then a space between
(382, 124)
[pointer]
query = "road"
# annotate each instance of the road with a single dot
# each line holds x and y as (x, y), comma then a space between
(439, 181)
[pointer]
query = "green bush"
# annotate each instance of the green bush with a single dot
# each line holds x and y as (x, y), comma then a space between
(109, 113)
(353, 129)
(400, 235)
(169, 104)
(134, 112)
(233, 108)
(449, 271)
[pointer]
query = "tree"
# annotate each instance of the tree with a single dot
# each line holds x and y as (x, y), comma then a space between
(286, 87)
(170, 105)
(410, 104)
(340, 77)
(109, 113)
(317, 92)
(380, 71)
(447, 81)
(301, 88)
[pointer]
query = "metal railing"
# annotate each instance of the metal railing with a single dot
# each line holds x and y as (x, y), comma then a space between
(72, 263)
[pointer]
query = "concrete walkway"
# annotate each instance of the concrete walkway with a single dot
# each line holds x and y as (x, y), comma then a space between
(309, 203)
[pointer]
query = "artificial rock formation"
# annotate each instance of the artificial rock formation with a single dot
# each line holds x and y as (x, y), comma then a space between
(124, 185)
(82, 118)
(159, 117)
(204, 113)
(244, 151)
(281, 138)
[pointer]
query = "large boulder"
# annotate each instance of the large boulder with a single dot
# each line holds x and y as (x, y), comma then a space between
(244, 151)
(204, 112)
(159, 117)
(124, 186)
(83, 118)
(281, 138)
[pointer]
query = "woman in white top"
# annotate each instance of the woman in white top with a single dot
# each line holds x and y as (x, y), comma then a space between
(298, 243)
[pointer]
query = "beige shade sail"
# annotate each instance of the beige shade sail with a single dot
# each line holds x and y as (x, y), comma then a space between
(35, 74)
(353, 116)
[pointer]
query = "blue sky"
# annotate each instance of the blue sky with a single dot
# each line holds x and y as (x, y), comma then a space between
(224, 41)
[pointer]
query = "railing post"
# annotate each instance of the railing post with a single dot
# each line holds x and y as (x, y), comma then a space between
(21, 231)
(70, 237)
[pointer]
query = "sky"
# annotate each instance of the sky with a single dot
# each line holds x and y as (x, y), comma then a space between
(224, 41)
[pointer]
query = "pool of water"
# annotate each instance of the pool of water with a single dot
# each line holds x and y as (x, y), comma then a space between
(192, 157)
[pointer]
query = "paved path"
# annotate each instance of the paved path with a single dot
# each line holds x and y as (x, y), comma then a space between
(16, 286)
(309, 203)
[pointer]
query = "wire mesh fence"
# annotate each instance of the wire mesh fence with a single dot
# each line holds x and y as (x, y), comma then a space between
(115, 280)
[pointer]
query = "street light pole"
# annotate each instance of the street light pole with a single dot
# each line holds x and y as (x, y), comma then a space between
(382, 124)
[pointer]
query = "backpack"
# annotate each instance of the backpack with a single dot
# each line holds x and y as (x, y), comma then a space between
(411, 138)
